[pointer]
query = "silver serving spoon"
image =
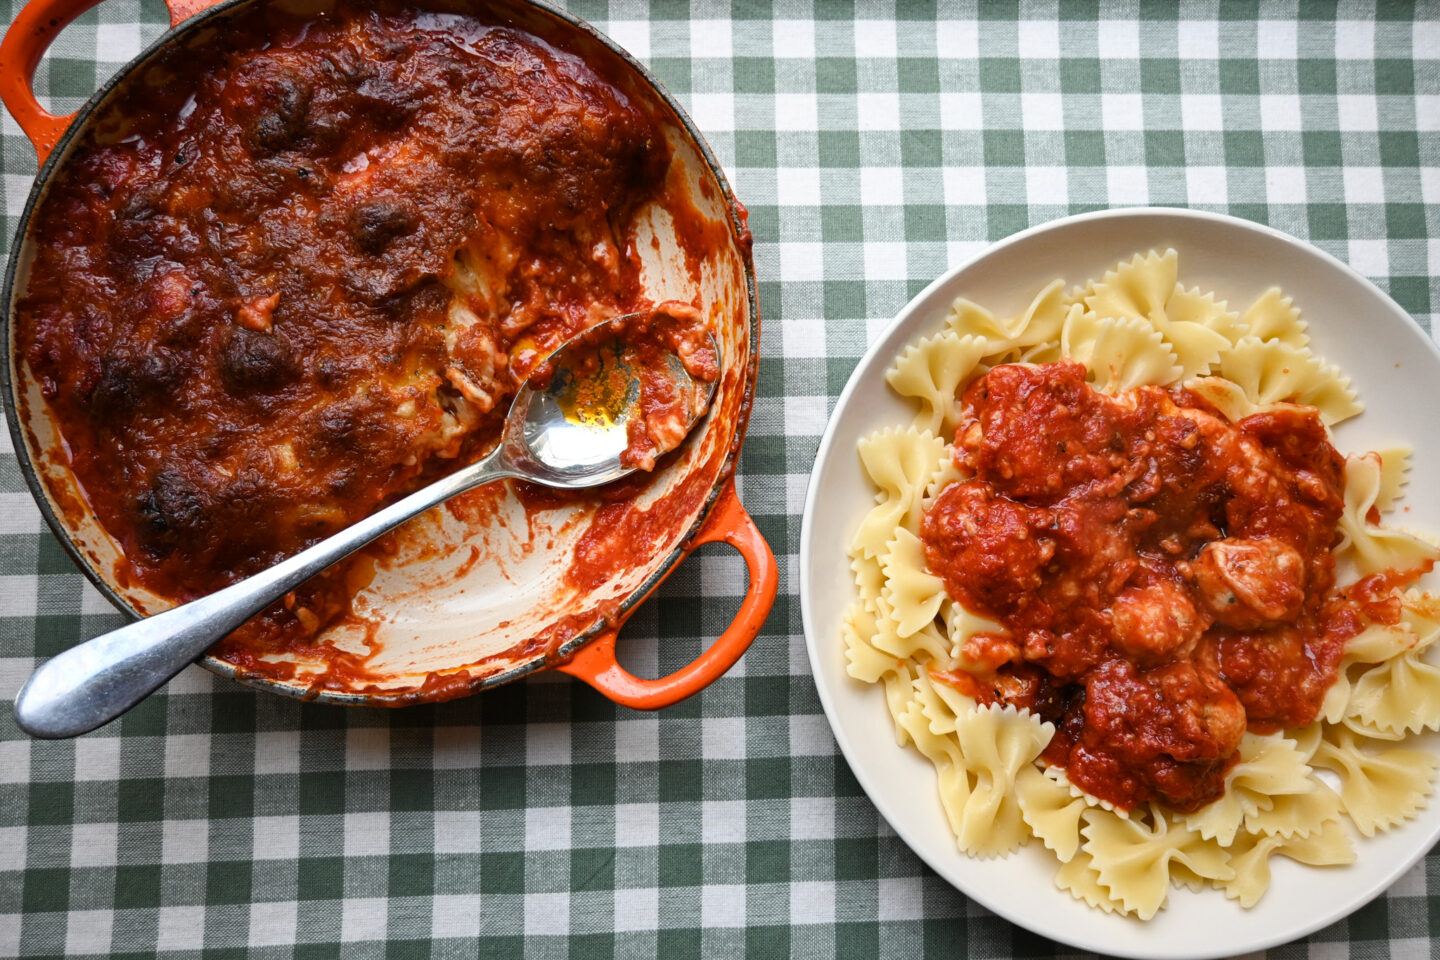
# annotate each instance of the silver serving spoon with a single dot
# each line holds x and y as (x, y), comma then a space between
(556, 435)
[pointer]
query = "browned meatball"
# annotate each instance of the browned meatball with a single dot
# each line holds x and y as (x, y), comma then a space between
(1250, 583)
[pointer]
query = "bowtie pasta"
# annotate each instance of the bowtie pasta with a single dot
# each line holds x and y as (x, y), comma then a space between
(1231, 520)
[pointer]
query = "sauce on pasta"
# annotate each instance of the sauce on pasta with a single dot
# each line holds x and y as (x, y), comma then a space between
(1165, 578)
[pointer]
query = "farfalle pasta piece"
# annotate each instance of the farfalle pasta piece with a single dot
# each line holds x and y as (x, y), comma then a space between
(913, 593)
(1268, 767)
(996, 742)
(936, 709)
(926, 643)
(1297, 814)
(1051, 812)
(1378, 788)
(1225, 396)
(899, 696)
(1038, 323)
(1307, 739)
(1271, 371)
(869, 663)
(968, 319)
(1197, 348)
(1250, 858)
(1196, 306)
(1394, 475)
(948, 472)
(958, 704)
(1380, 711)
(1376, 643)
(1400, 696)
(1077, 876)
(961, 625)
(1137, 287)
(1133, 857)
(944, 753)
(869, 577)
(1273, 317)
(931, 371)
(1040, 353)
(1119, 353)
(900, 463)
(1373, 548)
(1144, 288)
(866, 662)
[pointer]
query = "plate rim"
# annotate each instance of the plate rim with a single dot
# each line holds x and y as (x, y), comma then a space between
(850, 752)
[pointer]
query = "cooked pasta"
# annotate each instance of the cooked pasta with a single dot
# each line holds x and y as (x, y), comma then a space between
(1292, 791)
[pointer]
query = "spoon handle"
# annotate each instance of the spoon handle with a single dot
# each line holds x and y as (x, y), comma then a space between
(94, 682)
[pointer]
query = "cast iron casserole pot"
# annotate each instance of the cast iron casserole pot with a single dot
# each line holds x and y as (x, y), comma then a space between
(433, 623)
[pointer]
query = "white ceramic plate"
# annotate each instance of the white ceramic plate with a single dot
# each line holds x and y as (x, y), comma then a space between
(1396, 370)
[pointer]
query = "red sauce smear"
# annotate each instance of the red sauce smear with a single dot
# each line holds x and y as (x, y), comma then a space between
(1165, 578)
(243, 307)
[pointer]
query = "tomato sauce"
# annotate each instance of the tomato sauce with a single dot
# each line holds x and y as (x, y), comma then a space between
(307, 279)
(1165, 578)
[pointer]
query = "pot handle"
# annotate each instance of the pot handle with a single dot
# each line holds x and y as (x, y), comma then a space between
(595, 663)
(34, 29)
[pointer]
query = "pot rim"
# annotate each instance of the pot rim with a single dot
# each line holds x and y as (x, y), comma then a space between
(18, 432)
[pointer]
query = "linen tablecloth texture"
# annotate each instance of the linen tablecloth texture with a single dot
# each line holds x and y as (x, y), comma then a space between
(875, 145)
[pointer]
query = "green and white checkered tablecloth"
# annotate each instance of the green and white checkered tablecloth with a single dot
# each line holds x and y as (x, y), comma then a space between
(874, 144)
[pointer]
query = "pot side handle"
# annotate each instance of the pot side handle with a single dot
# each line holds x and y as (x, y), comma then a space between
(595, 663)
(34, 29)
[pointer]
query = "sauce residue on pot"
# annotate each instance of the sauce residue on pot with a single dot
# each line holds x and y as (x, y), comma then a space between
(307, 279)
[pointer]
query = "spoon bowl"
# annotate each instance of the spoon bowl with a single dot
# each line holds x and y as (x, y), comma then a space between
(572, 425)
(572, 428)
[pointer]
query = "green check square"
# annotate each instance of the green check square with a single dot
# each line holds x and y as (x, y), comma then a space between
(920, 148)
(1399, 148)
(839, 149)
(1244, 148)
(835, 75)
(1085, 148)
(1395, 77)
(1159, 76)
(767, 943)
(1321, 148)
(1405, 221)
(411, 875)
(681, 864)
(1004, 148)
(1080, 75)
(1328, 221)
(1316, 76)
(228, 881)
(1412, 293)
(754, 75)
(1165, 148)
(592, 869)
(999, 75)
(918, 75)
(856, 858)
(137, 886)
(320, 878)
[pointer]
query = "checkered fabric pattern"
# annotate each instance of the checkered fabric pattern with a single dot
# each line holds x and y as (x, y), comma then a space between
(875, 144)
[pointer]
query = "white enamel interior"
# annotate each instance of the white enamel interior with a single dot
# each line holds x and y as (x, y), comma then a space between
(1395, 368)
